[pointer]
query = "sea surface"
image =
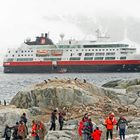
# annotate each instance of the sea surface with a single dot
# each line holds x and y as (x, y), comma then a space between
(10, 84)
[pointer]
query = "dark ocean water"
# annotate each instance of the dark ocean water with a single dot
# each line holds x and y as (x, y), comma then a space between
(10, 84)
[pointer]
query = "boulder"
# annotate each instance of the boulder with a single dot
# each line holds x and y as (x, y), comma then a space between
(58, 93)
(121, 83)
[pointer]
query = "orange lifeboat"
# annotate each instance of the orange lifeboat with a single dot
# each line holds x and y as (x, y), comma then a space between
(42, 52)
(56, 53)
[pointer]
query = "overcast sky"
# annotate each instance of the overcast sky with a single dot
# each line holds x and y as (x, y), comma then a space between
(20, 19)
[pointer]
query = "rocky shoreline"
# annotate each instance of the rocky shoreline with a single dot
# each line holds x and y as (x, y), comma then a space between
(76, 97)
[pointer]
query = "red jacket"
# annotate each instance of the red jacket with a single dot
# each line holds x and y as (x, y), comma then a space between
(96, 134)
(110, 123)
(34, 130)
(80, 128)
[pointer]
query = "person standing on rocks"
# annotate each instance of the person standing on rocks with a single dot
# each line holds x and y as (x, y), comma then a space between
(23, 118)
(87, 129)
(41, 130)
(109, 123)
(21, 131)
(96, 134)
(121, 126)
(34, 130)
(4, 102)
(61, 119)
(53, 120)
(15, 131)
(7, 133)
(80, 128)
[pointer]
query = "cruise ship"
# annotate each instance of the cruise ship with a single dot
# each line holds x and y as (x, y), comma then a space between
(71, 56)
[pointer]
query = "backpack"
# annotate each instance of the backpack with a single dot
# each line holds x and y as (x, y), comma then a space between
(86, 128)
(8, 132)
(122, 124)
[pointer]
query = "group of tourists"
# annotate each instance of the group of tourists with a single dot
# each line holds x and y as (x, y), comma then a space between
(87, 131)
(20, 130)
(38, 129)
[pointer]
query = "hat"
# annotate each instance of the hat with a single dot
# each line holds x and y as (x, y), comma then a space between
(111, 114)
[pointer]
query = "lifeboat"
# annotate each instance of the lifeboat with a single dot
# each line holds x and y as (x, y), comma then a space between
(42, 52)
(56, 53)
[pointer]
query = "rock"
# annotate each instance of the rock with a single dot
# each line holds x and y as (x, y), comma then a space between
(36, 111)
(111, 84)
(58, 94)
(130, 94)
(121, 83)
(61, 135)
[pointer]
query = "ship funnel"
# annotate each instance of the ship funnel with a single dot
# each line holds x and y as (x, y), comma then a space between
(46, 35)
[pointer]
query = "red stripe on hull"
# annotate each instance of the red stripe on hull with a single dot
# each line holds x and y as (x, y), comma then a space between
(35, 63)
(100, 62)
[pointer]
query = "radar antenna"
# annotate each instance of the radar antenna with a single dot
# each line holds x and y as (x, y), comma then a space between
(62, 36)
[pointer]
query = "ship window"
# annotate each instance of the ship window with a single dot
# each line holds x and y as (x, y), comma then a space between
(123, 52)
(92, 49)
(79, 54)
(82, 49)
(122, 58)
(96, 49)
(89, 49)
(76, 50)
(31, 54)
(22, 51)
(8, 51)
(16, 51)
(105, 46)
(103, 49)
(18, 55)
(24, 59)
(25, 51)
(99, 49)
(98, 54)
(89, 54)
(22, 55)
(98, 58)
(52, 59)
(88, 58)
(31, 50)
(110, 53)
(28, 54)
(12, 55)
(25, 54)
(75, 58)
(109, 58)
(28, 51)
(10, 60)
(106, 49)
